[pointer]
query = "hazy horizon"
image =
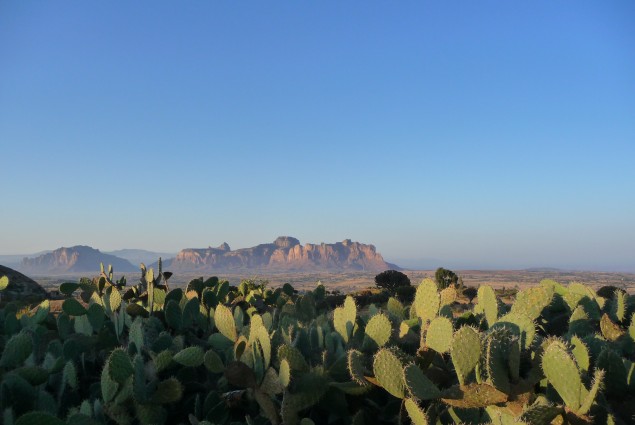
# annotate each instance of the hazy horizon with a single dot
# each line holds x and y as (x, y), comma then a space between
(494, 133)
(414, 263)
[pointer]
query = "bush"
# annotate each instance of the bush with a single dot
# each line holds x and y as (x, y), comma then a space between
(391, 280)
(445, 278)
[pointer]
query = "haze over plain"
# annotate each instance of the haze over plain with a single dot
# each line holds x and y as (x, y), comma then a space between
(486, 135)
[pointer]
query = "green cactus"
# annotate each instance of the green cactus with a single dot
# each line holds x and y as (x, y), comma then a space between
(312, 387)
(69, 375)
(272, 383)
(285, 373)
(533, 301)
(17, 349)
(213, 362)
(418, 384)
(388, 370)
(72, 307)
(268, 407)
(356, 367)
(520, 325)
(395, 308)
(109, 386)
(294, 357)
(619, 307)
(190, 356)
(497, 359)
(417, 414)
(34, 375)
(465, 352)
(344, 318)
(615, 371)
(168, 391)
(225, 323)
(488, 303)
(580, 353)
(439, 334)
(427, 300)
(590, 396)
(541, 412)
(39, 418)
(564, 375)
(378, 330)
(163, 360)
(119, 366)
(150, 414)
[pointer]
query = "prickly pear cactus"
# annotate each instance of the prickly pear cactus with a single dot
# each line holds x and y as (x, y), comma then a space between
(218, 354)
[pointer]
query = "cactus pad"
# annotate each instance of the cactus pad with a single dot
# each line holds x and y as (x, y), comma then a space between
(16, 350)
(417, 414)
(379, 329)
(168, 391)
(465, 352)
(488, 302)
(72, 307)
(563, 374)
(225, 322)
(418, 384)
(427, 300)
(344, 318)
(190, 356)
(439, 334)
(119, 365)
(388, 370)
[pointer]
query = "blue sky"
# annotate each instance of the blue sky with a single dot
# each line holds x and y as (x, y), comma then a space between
(483, 134)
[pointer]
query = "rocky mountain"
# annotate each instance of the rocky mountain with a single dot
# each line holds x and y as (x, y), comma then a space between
(20, 287)
(75, 259)
(284, 254)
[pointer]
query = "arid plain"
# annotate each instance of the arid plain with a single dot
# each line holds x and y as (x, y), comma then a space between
(346, 282)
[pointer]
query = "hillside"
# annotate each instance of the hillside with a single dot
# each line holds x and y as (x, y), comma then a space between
(20, 286)
(73, 260)
(284, 254)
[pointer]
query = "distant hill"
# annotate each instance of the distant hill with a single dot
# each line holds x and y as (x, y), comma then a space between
(14, 260)
(284, 254)
(73, 260)
(20, 287)
(138, 256)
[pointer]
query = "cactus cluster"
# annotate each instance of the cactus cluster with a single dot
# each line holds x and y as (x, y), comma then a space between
(211, 353)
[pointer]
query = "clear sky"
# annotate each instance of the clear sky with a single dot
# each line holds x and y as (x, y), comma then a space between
(489, 133)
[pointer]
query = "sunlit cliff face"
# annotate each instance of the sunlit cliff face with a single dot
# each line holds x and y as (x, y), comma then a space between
(285, 253)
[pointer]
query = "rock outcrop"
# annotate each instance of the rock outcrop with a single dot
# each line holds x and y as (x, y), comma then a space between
(76, 259)
(284, 254)
(20, 287)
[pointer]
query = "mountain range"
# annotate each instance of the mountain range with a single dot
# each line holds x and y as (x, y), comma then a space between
(284, 254)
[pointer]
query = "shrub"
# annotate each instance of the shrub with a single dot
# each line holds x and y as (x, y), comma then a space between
(391, 280)
(445, 278)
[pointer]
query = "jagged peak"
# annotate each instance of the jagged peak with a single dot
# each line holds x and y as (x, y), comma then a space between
(224, 247)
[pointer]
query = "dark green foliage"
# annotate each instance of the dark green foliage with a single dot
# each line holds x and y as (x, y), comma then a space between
(391, 280)
(445, 278)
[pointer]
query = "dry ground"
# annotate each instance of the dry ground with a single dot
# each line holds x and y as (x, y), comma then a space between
(353, 281)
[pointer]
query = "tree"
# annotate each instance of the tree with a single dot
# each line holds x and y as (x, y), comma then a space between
(445, 277)
(391, 280)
